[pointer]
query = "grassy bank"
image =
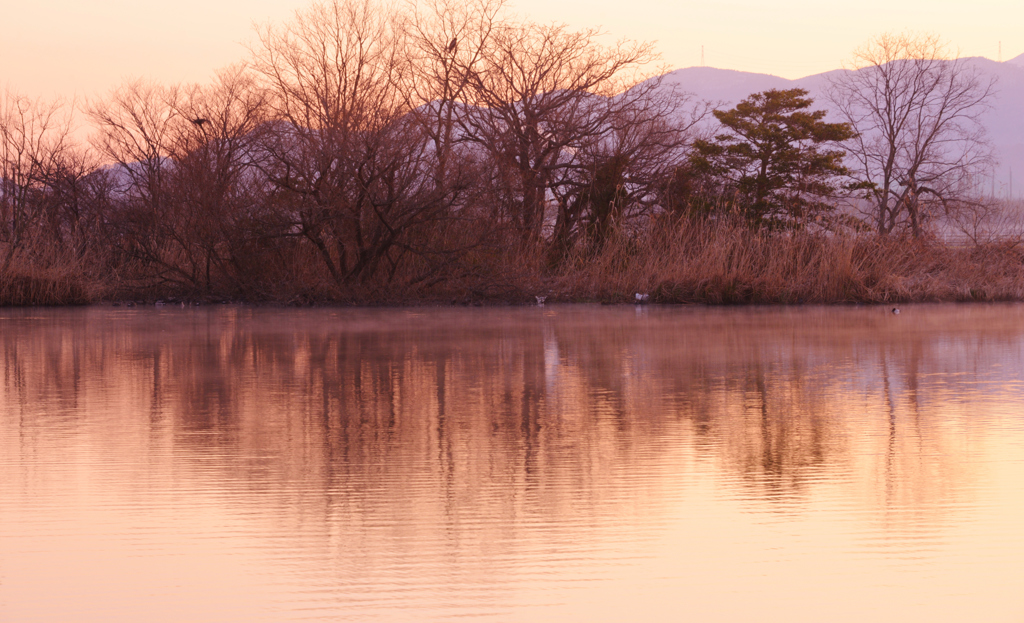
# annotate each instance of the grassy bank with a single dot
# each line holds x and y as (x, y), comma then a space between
(49, 279)
(684, 263)
(727, 265)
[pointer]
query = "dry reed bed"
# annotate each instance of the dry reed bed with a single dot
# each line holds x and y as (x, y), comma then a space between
(729, 265)
(684, 263)
(31, 281)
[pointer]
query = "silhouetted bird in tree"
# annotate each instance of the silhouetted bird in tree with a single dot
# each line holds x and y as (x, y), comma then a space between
(451, 46)
(200, 122)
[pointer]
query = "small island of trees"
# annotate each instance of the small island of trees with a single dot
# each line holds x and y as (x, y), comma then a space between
(446, 152)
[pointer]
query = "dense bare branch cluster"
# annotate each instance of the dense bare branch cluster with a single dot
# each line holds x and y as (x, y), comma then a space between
(921, 147)
(367, 149)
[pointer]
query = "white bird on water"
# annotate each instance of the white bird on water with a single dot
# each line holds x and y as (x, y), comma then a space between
(895, 311)
(540, 300)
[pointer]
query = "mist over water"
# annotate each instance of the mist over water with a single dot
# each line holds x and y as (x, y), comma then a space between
(518, 464)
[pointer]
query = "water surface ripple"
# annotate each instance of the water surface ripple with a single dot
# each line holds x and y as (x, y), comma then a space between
(534, 464)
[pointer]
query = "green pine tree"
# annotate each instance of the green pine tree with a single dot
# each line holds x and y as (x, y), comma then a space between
(773, 158)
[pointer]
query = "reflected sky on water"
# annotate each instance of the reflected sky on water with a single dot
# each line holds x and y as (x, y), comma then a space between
(577, 463)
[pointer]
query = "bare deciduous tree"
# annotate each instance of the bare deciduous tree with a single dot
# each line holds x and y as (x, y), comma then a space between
(36, 153)
(216, 186)
(449, 38)
(920, 144)
(352, 163)
(538, 94)
(135, 130)
(184, 163)
(617, 176)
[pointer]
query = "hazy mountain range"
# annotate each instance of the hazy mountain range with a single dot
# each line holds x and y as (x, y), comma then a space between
(1004, 121)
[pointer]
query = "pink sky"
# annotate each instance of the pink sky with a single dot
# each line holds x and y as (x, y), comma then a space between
(68, 48)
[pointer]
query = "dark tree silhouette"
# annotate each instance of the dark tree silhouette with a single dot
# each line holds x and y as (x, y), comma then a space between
(921, 146)
(773, 156)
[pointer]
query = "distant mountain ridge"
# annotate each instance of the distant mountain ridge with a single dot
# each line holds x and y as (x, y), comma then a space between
(1004, 121)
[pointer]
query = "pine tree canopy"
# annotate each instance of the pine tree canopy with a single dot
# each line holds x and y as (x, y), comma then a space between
(774, 157)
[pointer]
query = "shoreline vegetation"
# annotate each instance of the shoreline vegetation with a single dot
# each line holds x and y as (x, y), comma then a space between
(449, 153)
(683, 264)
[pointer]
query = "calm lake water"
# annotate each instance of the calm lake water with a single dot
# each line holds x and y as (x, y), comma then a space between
(527, 464)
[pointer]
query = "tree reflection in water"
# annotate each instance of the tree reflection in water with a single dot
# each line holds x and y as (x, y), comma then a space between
(456, 433)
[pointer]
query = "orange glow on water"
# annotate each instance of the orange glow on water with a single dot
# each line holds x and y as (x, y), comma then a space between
(578, 463)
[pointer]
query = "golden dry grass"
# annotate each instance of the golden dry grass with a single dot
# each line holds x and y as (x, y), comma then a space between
(28, 282)
(675, 262)
(723, 264)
